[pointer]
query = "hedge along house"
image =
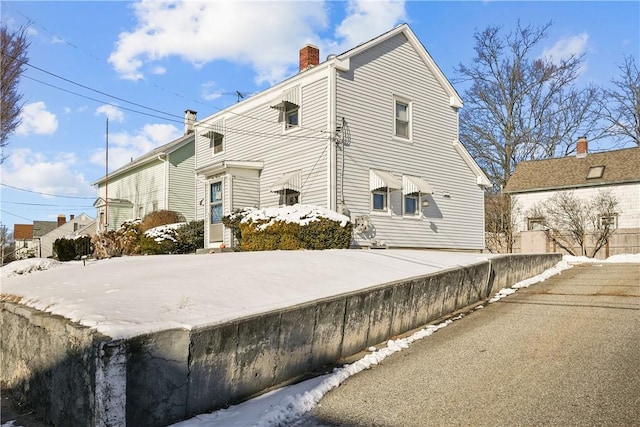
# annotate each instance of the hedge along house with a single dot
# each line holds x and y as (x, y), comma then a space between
(372, 133)
(160, 179)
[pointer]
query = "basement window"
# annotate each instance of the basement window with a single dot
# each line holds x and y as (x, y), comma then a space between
(595, 172)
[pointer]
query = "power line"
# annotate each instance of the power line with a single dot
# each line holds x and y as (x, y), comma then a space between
(17, 216)
(46, 194)
(237, 93)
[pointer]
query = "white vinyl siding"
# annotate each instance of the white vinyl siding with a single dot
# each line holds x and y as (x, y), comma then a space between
(364, 95)
(182, 181)
(256, 135)
(628, 196)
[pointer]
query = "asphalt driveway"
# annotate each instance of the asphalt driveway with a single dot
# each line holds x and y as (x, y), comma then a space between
(564, 352)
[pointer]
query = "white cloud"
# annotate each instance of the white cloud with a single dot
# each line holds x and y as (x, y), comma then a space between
(209, 91)
(565, 47)
(35, 119)
(366, 19)
(266, 35)
(123, 146)
(52, 174)
(111, 111)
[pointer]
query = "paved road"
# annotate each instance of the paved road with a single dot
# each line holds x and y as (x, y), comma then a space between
(564, 352)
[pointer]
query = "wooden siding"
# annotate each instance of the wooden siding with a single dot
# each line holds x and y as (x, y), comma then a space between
(628, 196)
(182, 181)
(365, 98)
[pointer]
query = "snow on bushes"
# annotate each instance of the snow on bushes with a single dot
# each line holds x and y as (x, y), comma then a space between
(289, 228)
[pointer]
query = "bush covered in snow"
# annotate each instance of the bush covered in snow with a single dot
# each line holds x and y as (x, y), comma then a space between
(178, 238)
(290, 228)
(123, 241)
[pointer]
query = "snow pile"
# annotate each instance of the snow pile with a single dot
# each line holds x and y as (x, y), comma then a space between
(164, 232)
(300, 214)
(616, 259)
(26, 266)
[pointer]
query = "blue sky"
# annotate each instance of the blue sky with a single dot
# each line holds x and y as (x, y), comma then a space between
(167, 58)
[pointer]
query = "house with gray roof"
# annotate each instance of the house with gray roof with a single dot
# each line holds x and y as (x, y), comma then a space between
(162, 179)
(371, 133)
(584, 175)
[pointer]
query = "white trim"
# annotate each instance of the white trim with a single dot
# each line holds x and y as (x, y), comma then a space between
(481, 178)
(223, 166)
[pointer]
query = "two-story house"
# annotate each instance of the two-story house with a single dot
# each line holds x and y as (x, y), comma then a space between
(371, 132)
(583, 175)
(162, 179)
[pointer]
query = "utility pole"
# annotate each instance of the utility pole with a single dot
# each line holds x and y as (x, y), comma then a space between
(106, 180)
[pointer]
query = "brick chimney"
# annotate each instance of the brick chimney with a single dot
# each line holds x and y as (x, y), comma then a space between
(189, 121)
(309, 57)
(582, 147)
(62, 219)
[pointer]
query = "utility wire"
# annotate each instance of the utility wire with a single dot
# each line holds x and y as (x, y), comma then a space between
(102, 61)
(46, 194)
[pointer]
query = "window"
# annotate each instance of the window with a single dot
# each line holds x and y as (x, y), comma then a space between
(609, 221)
(411, 204)
(534, 224)
(291, 115)
(154, 206)
(215, 203)
(379, 200)
(140, 212)
(595, 172)
(402, 123)
(216, 142)
(289, 198)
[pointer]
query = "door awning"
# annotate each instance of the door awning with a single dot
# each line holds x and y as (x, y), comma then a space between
(288, 98)
(381, 179)
(413, 185)
(290, 181)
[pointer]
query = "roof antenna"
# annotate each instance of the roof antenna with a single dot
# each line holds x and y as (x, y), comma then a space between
(240, 95)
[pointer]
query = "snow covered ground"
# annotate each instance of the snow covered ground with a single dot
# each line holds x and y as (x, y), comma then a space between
(188, 290)
(128, 296)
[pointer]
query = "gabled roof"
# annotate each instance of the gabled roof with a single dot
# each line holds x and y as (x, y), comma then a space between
(100, 201)
(342, 62)
(150, 156)
(620, 167)
(40, 228)
(454, 100)
(22, 231)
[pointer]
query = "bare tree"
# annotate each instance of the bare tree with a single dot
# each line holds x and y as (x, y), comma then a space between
(7, 245)
(519, 106)
(500, 213)
(13, 47)
(621, 104)
(578, 225)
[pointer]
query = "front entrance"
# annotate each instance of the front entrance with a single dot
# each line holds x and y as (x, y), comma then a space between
(216, 209)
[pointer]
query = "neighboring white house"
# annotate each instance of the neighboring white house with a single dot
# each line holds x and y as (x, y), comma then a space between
(80, 223)
(584, 174)
(162, 179)
(371, 132)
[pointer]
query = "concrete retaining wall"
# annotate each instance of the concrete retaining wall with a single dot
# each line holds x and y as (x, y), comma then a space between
(81, 378)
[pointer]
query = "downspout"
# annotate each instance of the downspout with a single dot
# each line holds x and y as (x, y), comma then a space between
(332, 160)
(165, 202)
